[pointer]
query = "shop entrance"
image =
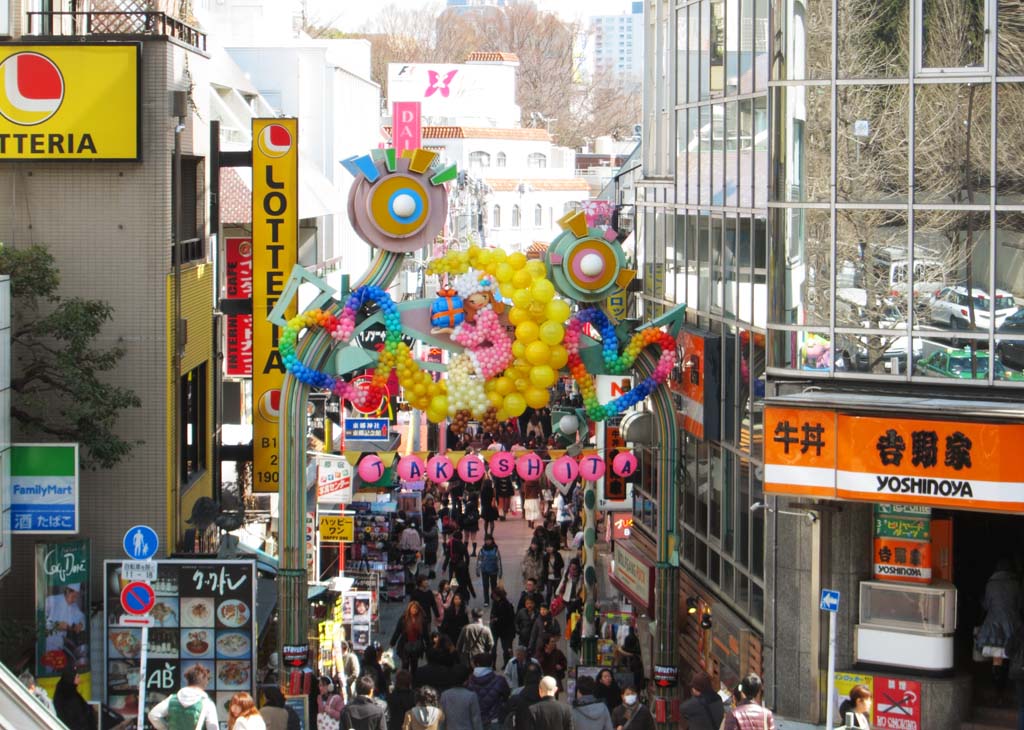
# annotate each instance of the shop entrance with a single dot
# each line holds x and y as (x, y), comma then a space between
(980, 541)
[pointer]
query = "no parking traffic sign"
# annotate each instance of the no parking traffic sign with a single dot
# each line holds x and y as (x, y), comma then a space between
(137, 598)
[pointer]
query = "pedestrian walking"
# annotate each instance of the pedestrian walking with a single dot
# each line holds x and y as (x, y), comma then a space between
(400, 700)
(634, 715)
(490, 688)
(329, 706)
(607, 690)
(426, 598)
(459, 567)
(1002, 604)
(455, 617)
(553, 565)
(371, 667)
(504, 490)
(349, 671)
(242, 713)
(364, 712)
(526, 617)
(276, 714)
(488, 567)
(69, 705)
(552, 532)
(443, 597)
(571, 591)
(549, 713)
(475, 638)
(531, 501)
(431, 538)
(516, 669)
(189, 707)
(488, 506)
(533, 563)
(426, 715)
(437, 672)
(461, 709)
(589, 712)
(551, 659)
(410, 635)
(749, 714)
(545, 625)
(703, 710)
(530, 590)
(564, 514)
(503, 623)
(470, 522)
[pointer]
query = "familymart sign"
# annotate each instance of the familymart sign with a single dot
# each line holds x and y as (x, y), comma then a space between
(44, 489)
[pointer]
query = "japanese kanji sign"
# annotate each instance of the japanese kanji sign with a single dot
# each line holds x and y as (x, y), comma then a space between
(897, 704)
(956, 464)
(336, 528)
(800, 451)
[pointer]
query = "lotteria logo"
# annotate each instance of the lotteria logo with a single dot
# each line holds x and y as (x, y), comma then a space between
(32, 88)
(275, 140)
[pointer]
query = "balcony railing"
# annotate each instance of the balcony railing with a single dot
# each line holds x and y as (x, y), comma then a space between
(113, 24)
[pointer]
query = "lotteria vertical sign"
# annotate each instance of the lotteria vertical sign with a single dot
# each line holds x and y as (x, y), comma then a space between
(275, 230)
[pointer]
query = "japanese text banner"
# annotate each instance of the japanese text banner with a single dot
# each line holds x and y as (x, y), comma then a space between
(800, 452)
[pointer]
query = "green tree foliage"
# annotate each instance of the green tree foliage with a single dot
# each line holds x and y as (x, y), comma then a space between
(57, 373)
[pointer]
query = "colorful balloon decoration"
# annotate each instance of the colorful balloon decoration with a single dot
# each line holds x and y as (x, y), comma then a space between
(592, 467)
(411, 468)
(440, 469)
(371, 469)
(471, 469)
(565, 469)
(624, 463)
(529, 466)
(502, 464)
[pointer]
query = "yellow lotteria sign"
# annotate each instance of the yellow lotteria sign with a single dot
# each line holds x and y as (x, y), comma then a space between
(275, 232)
(69, 102)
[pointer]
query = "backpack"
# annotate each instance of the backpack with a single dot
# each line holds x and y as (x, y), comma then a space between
(488, 560)
(180, 717)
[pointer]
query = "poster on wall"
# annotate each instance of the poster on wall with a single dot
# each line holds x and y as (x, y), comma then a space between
(903, 543)
(203, 615)
(897, 704)
(62, 601)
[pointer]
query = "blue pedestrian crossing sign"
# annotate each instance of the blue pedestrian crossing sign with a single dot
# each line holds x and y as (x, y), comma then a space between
(141, 542)
(829, 600)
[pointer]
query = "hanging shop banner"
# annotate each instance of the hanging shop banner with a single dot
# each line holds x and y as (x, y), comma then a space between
(897, 704)
(368, 429)
(407, 130)
(275, 228)
(62, 604)
(70, 102)
(633, 574)
(800, 452)
(44, 489)
(903, 548)
(203, 615)
(238, 285)
(695, 379)
(333, 480)
(336, 528)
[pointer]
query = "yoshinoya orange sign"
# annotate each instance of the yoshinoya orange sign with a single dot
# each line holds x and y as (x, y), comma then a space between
(69, 102)
(275, 230)
(953, 464)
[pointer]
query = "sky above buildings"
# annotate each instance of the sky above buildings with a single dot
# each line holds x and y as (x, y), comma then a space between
(352, 16)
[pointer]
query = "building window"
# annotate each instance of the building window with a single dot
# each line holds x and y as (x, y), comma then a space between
(500, 160)
(497, 216)
(538, 216)
(189, 244)
(953, 37)
(536, 159)
(192, 402)
(479, 159)
(516, 218)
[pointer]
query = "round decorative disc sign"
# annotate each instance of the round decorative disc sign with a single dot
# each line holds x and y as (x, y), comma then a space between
(137, 598)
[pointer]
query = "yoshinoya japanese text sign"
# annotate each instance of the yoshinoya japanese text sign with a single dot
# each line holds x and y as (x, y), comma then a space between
(902, 546)
(952, 464)
(203, 613)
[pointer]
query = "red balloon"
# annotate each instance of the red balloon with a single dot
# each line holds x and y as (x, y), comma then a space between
(624, 463)
(565, 469)
(471, 469)
(502, 464)
(592, 467)
(529, 466)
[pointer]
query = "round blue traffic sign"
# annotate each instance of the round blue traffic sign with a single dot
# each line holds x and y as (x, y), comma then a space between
(140, 542)
(137, 598)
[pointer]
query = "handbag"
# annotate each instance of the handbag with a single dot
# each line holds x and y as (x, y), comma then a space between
(557, 604)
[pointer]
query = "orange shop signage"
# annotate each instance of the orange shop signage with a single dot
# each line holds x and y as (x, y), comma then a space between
(953, 464)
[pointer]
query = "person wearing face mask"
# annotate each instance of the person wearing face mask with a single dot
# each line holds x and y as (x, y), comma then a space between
(859, 703)
(632, 714)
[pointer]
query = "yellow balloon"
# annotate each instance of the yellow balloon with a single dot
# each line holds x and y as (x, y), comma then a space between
(439, 403)
(436, 416)
(498, 255)
(527, 332)
(522, 384)
(522, 279)
(543, 376)
(517, 315)
(506, 289)
(521, 298)
(543, 290)
(502, 415)
(559, 357)
(503, 272)
(536, 397)
(515, 404)
(537, 269)
(551, 333)
(496, 399)
(536, 352)
(519, 349)
(558, 310)
(517, 260)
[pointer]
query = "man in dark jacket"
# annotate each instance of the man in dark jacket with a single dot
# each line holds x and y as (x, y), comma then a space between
(543, 627)
(437, 673)
(518, 717)
(530, 591)
(364, 712)
(425, 597)
(526, 617)
(549, 713)
(490, 688)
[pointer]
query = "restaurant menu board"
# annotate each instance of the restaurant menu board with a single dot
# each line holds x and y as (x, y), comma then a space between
(203, 615)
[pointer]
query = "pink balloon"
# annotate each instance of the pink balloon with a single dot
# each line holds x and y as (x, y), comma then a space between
(503, 464)
(592, 467)
(411, 468)
(371, 469)
(471, 469)
(565, 469)
(529, 466)
(624, 463)
(440, 469)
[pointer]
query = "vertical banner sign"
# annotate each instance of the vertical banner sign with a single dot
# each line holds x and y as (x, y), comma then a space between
(238, 280)
(407, 131)
(62, 603)
(275, 230)
(903, 543)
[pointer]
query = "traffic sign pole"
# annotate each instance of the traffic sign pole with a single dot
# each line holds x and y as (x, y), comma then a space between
(830, 603)
(142, 676)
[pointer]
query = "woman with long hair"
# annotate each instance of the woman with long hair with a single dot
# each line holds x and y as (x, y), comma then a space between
(329, 706)
(859, 703)
(425, 715)
(488, 506)
(455, 617)
(71, 707)
(410, 636)
(242, 713)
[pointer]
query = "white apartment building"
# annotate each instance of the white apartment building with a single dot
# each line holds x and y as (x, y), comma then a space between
(616, 46)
